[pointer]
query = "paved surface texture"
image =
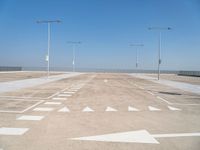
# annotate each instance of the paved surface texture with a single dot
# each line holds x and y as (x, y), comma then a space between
(100, 111)
(180, 85)
(175, 77)
(20, 75)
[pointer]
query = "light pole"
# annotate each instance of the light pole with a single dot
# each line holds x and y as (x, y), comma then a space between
(48, 22)
(137, 45)
(74, 43)
(159, 45)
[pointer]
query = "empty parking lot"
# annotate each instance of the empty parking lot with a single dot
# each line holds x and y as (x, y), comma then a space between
(100, 111)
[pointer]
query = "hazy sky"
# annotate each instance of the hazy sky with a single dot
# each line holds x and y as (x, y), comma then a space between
(106, 28)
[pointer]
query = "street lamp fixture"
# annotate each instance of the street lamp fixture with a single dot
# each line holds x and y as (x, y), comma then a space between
(137, 45)
(74, 43)
(159, 43)
(48, 22)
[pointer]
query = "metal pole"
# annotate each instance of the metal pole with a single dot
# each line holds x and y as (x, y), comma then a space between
(159, 55)
(73, 58)
(48, 52)
(136, 58)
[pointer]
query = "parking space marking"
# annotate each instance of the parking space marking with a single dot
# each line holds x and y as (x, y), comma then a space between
(59, 98)
(150, 93)
(68, 92)
(52, 103)
(13, 131)
(26, 109)
(31, 118)
(110, 109)
(141, 88)
(71, 90)
(158, 97)
(151, 108)
(64, 95)
(64, 109)
(130, 108)
(43, 109)
(87, 109)
(173, 108)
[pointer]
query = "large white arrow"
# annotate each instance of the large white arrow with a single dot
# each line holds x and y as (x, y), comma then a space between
(140, 136)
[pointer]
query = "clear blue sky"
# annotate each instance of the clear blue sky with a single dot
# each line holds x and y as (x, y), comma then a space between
(106, 28)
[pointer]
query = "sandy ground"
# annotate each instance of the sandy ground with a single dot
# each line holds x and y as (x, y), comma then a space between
(175, 77)
(98, 93)
(12, 76)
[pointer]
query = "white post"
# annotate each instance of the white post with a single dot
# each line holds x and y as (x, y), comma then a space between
(48, 52)
(73, 58)
(159, 55)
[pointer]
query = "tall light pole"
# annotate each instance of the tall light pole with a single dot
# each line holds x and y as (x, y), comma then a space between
(159, 45)
(48, 22)
(74, 43)
(137, 45)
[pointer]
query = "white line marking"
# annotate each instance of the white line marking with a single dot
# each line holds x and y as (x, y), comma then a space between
(76, 88)
(164, 100)
(32, 106)
(64, 109)
(140, 136)
(8, 111)
(43, 109)
(130, 108)
(153, 108)
(110, 109)
(141, 88)
(52, 103)
(59, 98)
(13, 131)
(64, 95)
(71, 90)
(87, 109)
(67, 92)
(150, 93)
(29, 117)
(176, 135)
(173, 108)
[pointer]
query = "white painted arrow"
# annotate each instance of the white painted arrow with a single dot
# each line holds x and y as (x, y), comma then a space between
(64, 109)
(140, 136)
(153, 108)
(110, 109)
(173, 108)
(130, 108)
(87, 109)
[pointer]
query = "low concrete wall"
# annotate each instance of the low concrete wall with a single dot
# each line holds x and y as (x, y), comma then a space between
(7, 68)
(189, 73)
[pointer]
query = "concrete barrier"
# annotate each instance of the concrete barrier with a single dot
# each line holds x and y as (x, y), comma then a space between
(189, 73)
(8, 68)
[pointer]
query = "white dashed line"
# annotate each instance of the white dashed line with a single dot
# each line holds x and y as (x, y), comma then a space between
(64, 95)
(43, 109)
(13, 131)
(59, 98)
(68, 92)
(31, 118)
(52, 103)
